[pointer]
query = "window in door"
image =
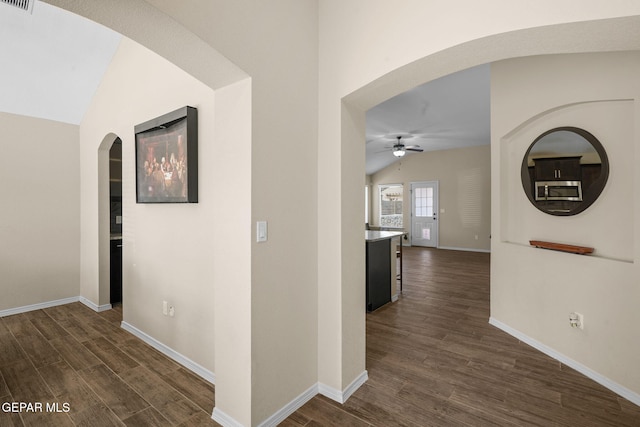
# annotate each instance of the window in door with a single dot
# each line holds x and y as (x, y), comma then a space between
(424, 207)
(424, 201)
(391, 196)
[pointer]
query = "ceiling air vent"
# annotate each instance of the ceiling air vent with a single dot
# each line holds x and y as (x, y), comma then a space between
(26, 5)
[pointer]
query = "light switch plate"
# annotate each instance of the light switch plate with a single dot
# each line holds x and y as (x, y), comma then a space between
(261, 231)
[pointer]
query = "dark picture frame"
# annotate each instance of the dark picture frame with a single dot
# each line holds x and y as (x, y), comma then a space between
(167, 158)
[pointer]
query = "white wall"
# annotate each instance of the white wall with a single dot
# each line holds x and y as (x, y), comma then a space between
(363, 59)
(534, 290)
(464, 182)
(39, 254)
(276, 44)
(280, 55)
(168, 248)
(365, 65)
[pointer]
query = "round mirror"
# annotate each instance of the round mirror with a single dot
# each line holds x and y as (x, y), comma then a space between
(564, 171)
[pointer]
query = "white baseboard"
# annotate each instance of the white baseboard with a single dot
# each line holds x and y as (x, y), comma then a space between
(39, 306)
(394, 298)
(94, 306)
(339, 396)
(290, 407)
(584, 370)
(218, 415)
(342, 396)
(223, 419)
(451, 248)
(355, 385)
(169, 352)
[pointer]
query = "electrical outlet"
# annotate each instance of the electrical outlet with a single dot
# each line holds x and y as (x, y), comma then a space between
(580, 320)
(172, 311)
(576, 320)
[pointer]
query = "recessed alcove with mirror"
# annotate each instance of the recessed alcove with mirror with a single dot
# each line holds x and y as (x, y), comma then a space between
(564, 171)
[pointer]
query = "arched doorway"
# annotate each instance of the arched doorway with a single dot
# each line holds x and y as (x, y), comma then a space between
(115, 223)
(349, 137)
(341, 205)
(110, 221)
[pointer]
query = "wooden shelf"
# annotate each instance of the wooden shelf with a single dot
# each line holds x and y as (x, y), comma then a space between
(581, 250)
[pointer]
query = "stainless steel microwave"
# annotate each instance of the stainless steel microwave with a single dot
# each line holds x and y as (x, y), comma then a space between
(559, 190)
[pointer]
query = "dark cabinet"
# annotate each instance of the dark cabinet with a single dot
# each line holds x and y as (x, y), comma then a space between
(115, 186)
(116, 271)
(590, 173)
(558, 169)
(378, 273)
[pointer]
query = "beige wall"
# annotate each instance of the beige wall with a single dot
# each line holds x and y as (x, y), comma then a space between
(168, 248)
(194, 256)
(232, 253)
(357, 67)
(279, 344)
(464, 183)
(39, 254)
(361, 68)
(597, 92)
(276, 44)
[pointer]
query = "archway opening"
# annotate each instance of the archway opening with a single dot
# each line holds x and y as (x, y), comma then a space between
(115, 223)
(110, 222)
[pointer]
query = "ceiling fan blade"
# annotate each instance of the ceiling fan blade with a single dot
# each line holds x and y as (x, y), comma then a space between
(408, 147)
(419, 150)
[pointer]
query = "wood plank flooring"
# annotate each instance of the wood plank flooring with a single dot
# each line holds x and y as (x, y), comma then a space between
(94, 372)
(434, 360)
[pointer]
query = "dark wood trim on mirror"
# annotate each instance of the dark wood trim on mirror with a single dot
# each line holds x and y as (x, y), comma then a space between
(589, 194)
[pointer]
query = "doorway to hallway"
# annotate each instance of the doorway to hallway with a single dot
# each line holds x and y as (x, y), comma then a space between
(115, 222)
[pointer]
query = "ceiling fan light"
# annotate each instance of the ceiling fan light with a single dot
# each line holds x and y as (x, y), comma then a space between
(398, 152)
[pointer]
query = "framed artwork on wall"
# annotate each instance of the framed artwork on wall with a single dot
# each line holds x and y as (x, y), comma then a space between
(167, 158)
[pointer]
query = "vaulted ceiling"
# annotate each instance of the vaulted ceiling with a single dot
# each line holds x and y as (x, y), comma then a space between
(450, 112)
(53, 62)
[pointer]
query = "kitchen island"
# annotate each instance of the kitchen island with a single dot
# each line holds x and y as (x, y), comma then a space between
(380, 267)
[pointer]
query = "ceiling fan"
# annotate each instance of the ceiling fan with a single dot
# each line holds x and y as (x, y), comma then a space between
(399, 149)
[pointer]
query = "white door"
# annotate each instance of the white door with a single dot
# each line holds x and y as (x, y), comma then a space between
(424, 214)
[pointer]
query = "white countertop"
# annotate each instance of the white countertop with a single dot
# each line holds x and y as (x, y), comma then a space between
(374, 235)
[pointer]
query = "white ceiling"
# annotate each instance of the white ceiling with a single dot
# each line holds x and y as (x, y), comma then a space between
(52, 62)
(449, 112)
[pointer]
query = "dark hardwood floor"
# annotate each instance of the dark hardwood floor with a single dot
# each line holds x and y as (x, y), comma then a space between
(434, 360)
(92, 373)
